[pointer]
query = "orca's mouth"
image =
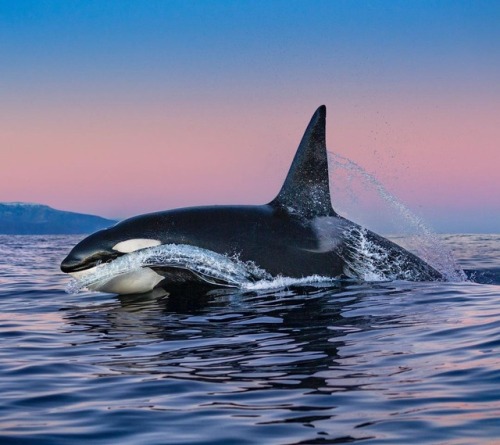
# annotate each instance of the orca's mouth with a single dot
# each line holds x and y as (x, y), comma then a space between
(142, 270)
(73, 264)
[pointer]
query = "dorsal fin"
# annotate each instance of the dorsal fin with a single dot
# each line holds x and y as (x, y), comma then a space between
(306, 189)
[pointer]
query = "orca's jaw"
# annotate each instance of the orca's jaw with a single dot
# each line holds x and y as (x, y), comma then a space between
(73, 263)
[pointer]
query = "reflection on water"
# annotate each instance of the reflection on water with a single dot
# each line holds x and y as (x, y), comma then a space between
(379, 363)
(277, 338)
(351, 353)
(239, 337)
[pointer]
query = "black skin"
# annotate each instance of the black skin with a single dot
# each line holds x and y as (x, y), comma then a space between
(279, 237)
(276, 241)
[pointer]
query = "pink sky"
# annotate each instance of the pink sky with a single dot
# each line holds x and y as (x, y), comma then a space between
(118, 161)
(112, 112)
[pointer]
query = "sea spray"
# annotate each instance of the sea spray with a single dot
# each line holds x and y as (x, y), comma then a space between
(423, 241)
(368, 261)
(208, 265)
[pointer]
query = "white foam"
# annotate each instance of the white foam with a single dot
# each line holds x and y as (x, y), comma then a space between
(211, 266)
(207, 264)
(368, 261)
(424, 243)
(281, 281)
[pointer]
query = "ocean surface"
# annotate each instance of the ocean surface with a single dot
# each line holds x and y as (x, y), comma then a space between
(310, 363)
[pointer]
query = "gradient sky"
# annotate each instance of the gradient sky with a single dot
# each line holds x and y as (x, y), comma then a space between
(124, 107)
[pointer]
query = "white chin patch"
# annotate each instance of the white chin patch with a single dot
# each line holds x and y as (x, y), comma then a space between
(135, 282)
(134, 244)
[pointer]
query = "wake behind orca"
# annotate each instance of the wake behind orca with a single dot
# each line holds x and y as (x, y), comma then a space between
(298, 234)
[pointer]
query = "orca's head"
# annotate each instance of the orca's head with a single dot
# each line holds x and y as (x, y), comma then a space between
(102, 247)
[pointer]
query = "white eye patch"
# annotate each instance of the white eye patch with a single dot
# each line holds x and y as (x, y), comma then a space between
(134, 244)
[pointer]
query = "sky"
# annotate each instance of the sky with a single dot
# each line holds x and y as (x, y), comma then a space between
(124, 107)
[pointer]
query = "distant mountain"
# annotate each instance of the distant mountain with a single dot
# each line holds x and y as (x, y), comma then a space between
(20, 218)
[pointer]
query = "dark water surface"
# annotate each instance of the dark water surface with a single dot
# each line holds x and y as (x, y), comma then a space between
(379, 363)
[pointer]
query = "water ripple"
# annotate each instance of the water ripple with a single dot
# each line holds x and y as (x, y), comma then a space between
(379, 363)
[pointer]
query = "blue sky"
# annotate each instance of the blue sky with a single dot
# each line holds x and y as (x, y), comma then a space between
(91, 90)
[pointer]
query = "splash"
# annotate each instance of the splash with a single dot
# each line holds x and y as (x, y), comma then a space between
(210, 266)
(281, 282)
(367, 261)
(422, 241)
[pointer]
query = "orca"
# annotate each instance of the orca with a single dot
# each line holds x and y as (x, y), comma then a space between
(297, 234)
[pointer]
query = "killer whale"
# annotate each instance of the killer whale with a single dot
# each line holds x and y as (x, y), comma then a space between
(297, 234)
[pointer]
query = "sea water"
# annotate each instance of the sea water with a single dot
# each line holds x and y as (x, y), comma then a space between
(350, 182)
(293, 363)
